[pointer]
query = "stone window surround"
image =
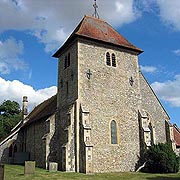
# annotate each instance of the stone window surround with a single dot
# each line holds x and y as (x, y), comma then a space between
(113, 60)
(117, 133)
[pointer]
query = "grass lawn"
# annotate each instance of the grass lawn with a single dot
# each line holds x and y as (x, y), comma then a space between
(14, 172)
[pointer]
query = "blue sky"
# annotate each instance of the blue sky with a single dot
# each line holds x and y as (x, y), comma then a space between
(31, 31)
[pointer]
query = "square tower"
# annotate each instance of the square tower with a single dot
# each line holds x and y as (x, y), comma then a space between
(98, 100)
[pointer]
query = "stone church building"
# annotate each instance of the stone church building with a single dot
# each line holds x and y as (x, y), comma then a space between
(104, 114)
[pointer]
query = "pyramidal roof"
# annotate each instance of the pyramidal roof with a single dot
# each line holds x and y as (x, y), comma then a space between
(98, 30)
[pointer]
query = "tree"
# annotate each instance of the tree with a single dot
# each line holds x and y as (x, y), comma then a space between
(160, 158)
(10, 115)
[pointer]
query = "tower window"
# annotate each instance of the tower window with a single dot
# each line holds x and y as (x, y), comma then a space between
(108, 59)
(67, 88)
(113, 132)
(113, 60)
(65, 62)
(61, 83)
(69, 59)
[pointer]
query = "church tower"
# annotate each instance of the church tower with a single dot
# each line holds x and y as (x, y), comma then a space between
(98, 99)
(107, 112)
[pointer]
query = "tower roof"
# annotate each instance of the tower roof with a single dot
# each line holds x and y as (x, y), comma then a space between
(98, 30)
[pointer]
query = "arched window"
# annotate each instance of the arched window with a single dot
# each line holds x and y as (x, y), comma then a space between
(113, 132)
(113, 60)
(108, 59)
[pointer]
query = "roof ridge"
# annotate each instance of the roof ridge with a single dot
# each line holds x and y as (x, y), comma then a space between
(177, 128)
(99, 19)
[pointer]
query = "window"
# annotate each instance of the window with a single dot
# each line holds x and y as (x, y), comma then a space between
(108, 59)
(69, 58)
(113, 60)
(65, 62)
(61, 83)
(113, 132)
(67, 88)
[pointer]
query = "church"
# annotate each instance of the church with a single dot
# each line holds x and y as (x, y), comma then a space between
(105, 113)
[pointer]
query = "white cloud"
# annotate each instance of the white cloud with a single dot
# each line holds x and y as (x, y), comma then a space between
(10, 51)
(169, 91)
(123, 12)
(52, 21)
(177, 52)
(15, 90)
(148, 69)
(170, 12)
(167, 10)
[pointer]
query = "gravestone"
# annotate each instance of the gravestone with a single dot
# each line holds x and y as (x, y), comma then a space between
(53, 167)
(1, 172)
(29, 167)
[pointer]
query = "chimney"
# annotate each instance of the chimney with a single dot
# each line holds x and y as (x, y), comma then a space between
(25, 107)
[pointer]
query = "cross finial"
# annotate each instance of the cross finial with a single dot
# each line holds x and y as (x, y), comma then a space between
(95, 6)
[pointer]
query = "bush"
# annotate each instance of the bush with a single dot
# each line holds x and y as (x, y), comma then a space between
(161, 158)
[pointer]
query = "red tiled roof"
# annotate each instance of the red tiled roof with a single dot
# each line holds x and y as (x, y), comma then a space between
(176, 132)
(99, 30)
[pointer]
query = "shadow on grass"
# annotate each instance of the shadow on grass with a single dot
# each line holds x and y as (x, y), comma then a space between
(20, 174)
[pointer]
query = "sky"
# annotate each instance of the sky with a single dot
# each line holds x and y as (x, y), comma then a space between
(32, 30)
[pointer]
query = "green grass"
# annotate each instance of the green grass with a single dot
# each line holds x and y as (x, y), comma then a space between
(14, 172)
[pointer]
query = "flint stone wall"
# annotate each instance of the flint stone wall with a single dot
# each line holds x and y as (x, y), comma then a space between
(109, 96)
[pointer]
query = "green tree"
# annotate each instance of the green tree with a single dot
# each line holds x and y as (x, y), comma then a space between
(10, 115)
(161, 158)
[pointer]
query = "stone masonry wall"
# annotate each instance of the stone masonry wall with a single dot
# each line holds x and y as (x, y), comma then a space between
(109, 96)
(35, 145)
(66, 120)
(69, 75)
(152, 106)
(4, 149)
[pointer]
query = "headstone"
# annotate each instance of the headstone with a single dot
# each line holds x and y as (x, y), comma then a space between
(1, 172)
(29, 167)
(53, 167)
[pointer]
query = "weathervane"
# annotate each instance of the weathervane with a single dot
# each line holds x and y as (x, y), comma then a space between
(95, 14)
